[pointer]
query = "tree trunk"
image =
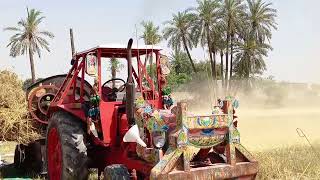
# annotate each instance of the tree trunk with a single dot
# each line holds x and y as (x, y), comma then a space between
(227, 62)
(188, 53)
(151, 68)
(221, 67)
(213, 66)
(231, 58)
(227, 56)
(113, 72)
(33, 76)
(145, 61)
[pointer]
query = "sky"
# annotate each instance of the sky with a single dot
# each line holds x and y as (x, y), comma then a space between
(295, 44)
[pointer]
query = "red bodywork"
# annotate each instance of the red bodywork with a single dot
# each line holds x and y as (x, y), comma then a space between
(112, 150)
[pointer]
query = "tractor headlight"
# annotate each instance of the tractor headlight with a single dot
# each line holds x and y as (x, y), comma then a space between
(159, 139)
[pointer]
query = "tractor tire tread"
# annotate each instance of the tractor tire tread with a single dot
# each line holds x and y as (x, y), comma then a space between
(72, 139)
(116, 172)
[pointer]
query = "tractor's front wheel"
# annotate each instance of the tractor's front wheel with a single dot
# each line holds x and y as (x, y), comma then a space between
(66, 150)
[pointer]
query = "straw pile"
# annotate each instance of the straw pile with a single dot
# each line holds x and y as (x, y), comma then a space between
(15, 125)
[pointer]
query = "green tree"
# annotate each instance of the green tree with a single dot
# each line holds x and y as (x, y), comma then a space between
(29, 39)
(205, 71)
(220, 45)
(262, 20)
(178, 32)
(180, 69)
(249, 56)
(115, 67)
(254, 33)
(253, 47)
(207, 18)
(180, 62)
(151, 36)
(233, 12)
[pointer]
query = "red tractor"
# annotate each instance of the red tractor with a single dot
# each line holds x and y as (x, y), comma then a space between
(120, 127)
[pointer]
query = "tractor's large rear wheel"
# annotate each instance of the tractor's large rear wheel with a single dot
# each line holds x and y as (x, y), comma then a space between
(66, 150)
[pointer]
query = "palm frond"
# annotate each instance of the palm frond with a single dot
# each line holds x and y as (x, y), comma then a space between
(47, 33)
(28, 35)
(12, 29)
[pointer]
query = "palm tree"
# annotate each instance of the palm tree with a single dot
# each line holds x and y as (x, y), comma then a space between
(251, 50)
(180, 62)
(262, 19)
(249, 56)
(221, 46)
(150, 36)
(28, 38)
(115, 66)
(207, 18)
(233, 12)
(178, 32)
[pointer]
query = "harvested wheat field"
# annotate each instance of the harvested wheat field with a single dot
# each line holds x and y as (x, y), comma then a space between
(264, 129)
(270, 134)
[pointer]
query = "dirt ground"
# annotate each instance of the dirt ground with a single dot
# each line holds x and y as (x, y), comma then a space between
(7, 148)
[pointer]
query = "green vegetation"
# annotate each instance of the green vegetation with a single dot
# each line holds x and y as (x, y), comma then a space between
(207, 17)
(151, 33)
(182, 71)
(29, 39)
(178, 32)
(115, 66)
(151, 36)
(237, 31)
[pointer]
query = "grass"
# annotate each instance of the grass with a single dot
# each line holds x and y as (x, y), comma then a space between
(291, 162)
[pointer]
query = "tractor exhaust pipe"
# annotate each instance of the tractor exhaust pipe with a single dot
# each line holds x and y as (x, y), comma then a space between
(73, 51)
(130, 87)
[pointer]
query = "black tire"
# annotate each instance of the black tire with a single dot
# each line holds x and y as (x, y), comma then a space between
(34, 157)
(73, 149)
(116, 172)
(19, 156)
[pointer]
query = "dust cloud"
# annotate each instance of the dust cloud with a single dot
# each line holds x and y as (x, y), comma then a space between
(269, 112)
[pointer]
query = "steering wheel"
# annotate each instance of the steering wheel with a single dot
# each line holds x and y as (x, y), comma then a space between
(110, 92)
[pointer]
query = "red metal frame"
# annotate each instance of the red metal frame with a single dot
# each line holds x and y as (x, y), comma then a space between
(115, 150)
(55, 151)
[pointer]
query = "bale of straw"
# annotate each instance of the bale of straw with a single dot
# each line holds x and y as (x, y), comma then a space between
(15, 125)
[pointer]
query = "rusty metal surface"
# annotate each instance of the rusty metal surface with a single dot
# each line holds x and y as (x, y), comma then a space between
(35, 106)
(243, 170)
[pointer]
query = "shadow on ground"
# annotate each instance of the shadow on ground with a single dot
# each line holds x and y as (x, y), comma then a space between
(8, 171)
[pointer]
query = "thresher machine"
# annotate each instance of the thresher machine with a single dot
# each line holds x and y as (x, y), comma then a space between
(120, 127)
